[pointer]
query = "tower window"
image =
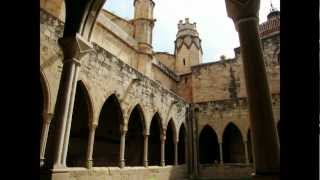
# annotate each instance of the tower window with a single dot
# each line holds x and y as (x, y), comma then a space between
(278, 58)
(184, 61)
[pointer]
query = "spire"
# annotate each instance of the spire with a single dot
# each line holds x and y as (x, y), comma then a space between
(274, 12)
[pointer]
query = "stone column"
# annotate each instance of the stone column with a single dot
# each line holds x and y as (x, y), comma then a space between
(73, 49)
(221, 153)
(176, 152)
(246, 151)
(145, 152)
(264, 136)
(122, 147)
(44, 136)
(92, 132)
(163, 141)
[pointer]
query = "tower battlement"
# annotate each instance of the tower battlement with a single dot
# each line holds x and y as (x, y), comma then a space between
(187, 28)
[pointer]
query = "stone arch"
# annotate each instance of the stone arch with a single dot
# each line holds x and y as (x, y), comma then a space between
(81, 117)
(134, 137)
(208, 146)
(107, 137)
(182, 144)
(141, 112)
(154, 143)
(169, 144)
(233, 147)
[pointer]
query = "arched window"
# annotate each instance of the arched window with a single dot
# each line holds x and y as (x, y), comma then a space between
(184, 61)
(106, 150)
(208, 146)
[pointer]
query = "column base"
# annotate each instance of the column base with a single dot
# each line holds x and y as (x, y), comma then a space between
(145, 163)
(266, 176)
(60, 175)
(163, 164)
(42, 163)
(122, 164)
(89, 164)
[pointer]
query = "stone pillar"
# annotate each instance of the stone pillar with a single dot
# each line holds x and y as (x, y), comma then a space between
(163, 141)
(44, 136)
(221, 153)
(176, 152)
(122, 147)
(246, 151)
(92, 132)
(264, 136)
(73, 49)
(145, 152)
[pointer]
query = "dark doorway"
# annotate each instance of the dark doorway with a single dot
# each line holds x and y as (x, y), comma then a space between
(134, 138)
(208, 146)
(169, 146)
(233, 147)
(79, 132)
(182, 145)
(154, 148)
(106, 151)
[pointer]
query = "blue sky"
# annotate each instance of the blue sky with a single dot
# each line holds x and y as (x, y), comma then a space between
(216, 30)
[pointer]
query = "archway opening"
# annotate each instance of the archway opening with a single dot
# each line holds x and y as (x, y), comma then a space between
(169, 146)
(106, 151)
(79, 132)
(134, 138)
(182, 145)
(208, 146)
(249, 146)
(233, 147)
(154, 141)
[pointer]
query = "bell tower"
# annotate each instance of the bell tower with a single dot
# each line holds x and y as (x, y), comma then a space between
(188, 49)
(143, 25)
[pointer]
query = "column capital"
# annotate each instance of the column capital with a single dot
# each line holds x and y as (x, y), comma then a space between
(123, 129)
(74, 47)
(93, 126)
(239, 10)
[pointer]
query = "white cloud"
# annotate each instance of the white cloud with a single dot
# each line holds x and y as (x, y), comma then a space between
(215, 28)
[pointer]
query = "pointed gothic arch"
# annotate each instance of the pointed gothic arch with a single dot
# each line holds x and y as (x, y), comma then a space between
(134, 137)
(154, 144)
(182, 145)
(233, 147)
(169, 144)
(208, 146)
(106, 151)
(81, 118)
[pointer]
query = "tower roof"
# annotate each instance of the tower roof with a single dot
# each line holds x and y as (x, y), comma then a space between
(187, 28)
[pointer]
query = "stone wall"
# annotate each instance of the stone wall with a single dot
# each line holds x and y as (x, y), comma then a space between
(103, 75)
(218, 114)
(225, 79)
(129, 173)
(225, 171)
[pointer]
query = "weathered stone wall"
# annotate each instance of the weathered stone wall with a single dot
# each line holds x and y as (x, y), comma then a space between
(184, 87)
(218, 114)
(103, 75)
(164, 79)
(225, 171)
(124, 24)
(54, 7)
(104, 35)
(130, 173)
(167, 59)
(225, 79)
